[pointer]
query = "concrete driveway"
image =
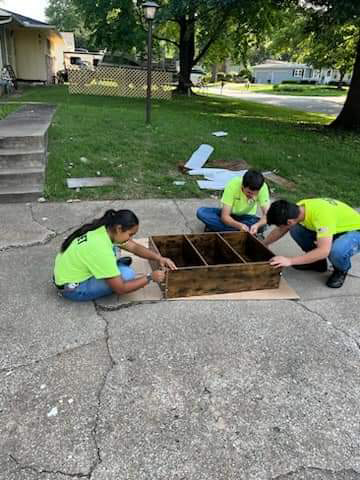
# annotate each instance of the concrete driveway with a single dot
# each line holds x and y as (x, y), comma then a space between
(209, 390)
(328, 105)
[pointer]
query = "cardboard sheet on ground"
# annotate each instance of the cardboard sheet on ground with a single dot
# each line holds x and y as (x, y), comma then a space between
(153, 293)
(199, 157)
(207, 171)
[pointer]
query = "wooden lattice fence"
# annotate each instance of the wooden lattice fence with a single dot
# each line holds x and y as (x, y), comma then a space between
(119, 81)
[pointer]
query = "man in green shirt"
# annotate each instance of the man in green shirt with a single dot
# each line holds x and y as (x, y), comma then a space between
(323, 228)
(241, 198)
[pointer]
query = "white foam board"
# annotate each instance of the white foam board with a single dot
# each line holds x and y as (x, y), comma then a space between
(199, 157)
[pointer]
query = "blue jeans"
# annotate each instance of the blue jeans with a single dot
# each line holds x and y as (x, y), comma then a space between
(343, 247)
(94, 288)
(212, 219)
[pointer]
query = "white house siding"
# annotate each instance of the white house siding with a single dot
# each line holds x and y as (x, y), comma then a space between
(31, 54)
(278, 74)
(10, 48)
(273, 76)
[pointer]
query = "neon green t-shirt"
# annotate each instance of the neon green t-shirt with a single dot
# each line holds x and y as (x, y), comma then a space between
(235, 198)
(90, 255)
(328, 217)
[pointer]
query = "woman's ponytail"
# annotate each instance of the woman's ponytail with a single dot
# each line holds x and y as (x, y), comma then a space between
(126, 219)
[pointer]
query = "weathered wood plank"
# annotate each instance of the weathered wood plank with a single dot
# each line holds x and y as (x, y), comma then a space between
(196, 250)
(221, 279)
(242, 260)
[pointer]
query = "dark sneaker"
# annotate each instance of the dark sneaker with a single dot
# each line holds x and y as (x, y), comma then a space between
(125, 261)
(262, 230)
(336, 279)
(319, 266)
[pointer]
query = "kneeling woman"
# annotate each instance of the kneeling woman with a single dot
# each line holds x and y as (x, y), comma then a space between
(86, 267)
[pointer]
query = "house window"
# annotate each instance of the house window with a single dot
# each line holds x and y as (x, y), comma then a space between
(75, 60)
(96, 62)
(328, 73)
(298, 72)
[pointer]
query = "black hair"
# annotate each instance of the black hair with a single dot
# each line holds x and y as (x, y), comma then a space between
(281, 211)
(124, 218)
(253, 180)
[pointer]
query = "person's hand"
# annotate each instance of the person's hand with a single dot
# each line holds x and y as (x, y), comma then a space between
(279, 261)
(244, 227)
(167, 263)
(158, 276)
(254, 229)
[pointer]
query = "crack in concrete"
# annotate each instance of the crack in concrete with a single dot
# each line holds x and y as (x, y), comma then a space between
(37, 222)
(51, 357)
(330, 297)
(330, 324)
(310, 470)
(51, 472)
(191, 230)
(94, 432)
(49, 237)
(115, 308)
(52, 235)
(35, 243)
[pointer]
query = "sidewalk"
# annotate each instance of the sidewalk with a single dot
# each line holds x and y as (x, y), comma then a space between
(328, 105)
(171, 390)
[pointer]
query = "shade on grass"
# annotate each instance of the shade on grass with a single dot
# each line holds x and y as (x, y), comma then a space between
(110, 133)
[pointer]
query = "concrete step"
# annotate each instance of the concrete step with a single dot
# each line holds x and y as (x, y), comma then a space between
(28, 193)
(19, 158)
(13, 177)
(32, 142)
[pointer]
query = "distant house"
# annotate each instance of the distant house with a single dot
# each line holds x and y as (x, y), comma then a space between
(276, 71)
(327, 75)
(82, 59)
(29, 46)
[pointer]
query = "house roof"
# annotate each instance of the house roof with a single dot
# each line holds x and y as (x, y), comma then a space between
(26, 22)
(277, 65)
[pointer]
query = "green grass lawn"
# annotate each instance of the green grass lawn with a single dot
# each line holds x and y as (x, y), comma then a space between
(291, 89)
(111, 134)
(6, 109)
(241, 87)
(307, 90)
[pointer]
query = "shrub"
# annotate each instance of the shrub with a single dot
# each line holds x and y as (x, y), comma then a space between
(290, 82)
(220, 76)
(308, 82)
(290, 88)
(229, 77)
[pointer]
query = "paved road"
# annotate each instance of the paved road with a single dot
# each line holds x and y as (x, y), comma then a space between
(329, 105)
(205, 390)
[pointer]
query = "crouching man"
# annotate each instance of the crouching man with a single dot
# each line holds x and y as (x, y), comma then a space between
(241, 199)
(323, 228)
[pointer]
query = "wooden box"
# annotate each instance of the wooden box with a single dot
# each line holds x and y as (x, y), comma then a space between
(212, 263)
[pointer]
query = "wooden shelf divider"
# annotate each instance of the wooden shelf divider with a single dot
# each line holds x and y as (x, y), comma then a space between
(237, 254)
(196, 250)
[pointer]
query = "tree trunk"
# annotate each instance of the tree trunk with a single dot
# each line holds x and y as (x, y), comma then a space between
(187, 54)
(340, 82)
(349, 117)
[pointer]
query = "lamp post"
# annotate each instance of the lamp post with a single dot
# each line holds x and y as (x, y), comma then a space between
(149, 9)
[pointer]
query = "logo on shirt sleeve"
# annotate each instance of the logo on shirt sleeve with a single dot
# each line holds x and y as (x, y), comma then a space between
(322, 229)
(82, 239)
